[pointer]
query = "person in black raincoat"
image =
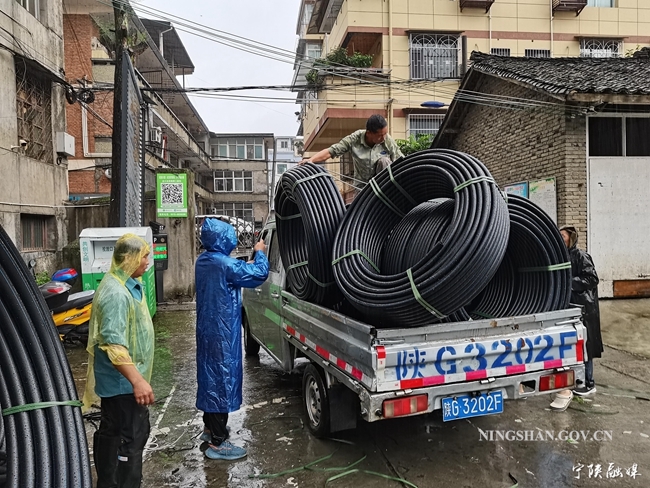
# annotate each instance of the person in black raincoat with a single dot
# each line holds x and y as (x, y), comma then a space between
(219, 279)
(584, 292)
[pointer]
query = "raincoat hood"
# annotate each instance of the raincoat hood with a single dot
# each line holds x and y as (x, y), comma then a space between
(218, 236)
(127, 255)
(573, 235)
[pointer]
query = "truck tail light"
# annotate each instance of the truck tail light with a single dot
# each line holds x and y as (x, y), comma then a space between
(405, 406)
(557, 380)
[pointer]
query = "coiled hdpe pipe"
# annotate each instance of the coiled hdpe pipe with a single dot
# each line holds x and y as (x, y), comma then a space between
(422, 240)
(43, 428)
(535, 275)
(309, 209)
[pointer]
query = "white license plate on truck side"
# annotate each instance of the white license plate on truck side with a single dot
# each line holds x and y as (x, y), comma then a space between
(466, 406)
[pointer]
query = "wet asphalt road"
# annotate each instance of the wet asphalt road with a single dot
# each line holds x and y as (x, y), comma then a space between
(422, 450)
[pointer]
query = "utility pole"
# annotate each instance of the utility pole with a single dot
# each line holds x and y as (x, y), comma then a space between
(273, 182)
(121, 19)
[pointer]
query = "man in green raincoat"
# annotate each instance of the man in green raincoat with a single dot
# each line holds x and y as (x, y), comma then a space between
(121, 348)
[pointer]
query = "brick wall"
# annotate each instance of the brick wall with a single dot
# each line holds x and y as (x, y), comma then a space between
(90, 182)
(78, 31)
(530, 144)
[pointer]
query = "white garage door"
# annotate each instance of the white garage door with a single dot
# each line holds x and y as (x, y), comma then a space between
(619, 219)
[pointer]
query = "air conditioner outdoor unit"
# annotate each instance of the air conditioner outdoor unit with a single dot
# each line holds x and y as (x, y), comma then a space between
(155, 135)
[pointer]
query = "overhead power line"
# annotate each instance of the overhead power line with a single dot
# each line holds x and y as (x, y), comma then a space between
(368, 81)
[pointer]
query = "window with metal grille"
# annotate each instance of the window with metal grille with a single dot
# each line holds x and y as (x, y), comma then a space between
(34, 113)
(600, 48)
(427, 124)
(34, 232)
(233, 181)
(235, 209)
(32, 6)
(434, 56)
(537, 53)
(500, 51)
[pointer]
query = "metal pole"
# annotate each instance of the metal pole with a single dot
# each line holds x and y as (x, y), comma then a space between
(272, 189)
(115, 214)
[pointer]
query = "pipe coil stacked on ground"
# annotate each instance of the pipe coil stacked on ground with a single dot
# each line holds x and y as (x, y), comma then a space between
(445, 226)
(45, 445)
(309, 209)
(535, 275)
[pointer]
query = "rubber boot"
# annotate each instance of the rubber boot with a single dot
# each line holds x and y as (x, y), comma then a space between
(105, 455)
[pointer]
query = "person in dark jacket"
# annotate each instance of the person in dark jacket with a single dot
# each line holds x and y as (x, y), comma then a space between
(584, 292)
(219, 280)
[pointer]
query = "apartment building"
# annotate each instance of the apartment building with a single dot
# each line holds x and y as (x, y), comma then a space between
(288, 153)
(173, 133)
(419, 51)
(241, 171)
(33, 154)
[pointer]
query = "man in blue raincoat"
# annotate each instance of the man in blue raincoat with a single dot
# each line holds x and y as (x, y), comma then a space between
(219, 279)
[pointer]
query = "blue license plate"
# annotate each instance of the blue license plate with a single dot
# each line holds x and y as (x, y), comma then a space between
(466, 406)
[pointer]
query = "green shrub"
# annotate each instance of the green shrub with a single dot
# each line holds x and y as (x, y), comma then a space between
(42, 278)
(414, 144)
(336, 58)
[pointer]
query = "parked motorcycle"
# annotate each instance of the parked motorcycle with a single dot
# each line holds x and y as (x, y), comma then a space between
(70, 312)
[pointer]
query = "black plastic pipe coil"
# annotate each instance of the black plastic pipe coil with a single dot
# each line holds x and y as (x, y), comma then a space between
(3, 452)
(422, 240)
(45, 447)
(308, 211)
(535, 275)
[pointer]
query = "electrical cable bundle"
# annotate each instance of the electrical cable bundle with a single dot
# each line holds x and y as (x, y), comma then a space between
(404, 256)
(535, 275)
(43, 428)
(308, 211)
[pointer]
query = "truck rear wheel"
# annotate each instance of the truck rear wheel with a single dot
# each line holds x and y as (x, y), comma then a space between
(251, 346)
(316, 401)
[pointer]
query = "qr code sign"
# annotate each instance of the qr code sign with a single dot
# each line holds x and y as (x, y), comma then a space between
(172, 193)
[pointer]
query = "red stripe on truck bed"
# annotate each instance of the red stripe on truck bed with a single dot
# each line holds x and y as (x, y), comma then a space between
(322, 351)
(556, 363)
(519, 368)
(476, 375)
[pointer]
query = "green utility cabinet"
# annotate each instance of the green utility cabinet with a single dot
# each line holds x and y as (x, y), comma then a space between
(96, 245)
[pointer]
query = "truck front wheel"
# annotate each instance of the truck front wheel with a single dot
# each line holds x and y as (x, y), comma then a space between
(316, 401)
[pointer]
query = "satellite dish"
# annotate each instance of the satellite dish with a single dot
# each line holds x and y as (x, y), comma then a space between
(108, 173)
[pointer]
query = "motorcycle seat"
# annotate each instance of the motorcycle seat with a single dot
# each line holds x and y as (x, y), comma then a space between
(76, 300)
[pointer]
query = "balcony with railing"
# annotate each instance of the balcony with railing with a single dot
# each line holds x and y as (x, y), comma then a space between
(569, 6)
(483, 4)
